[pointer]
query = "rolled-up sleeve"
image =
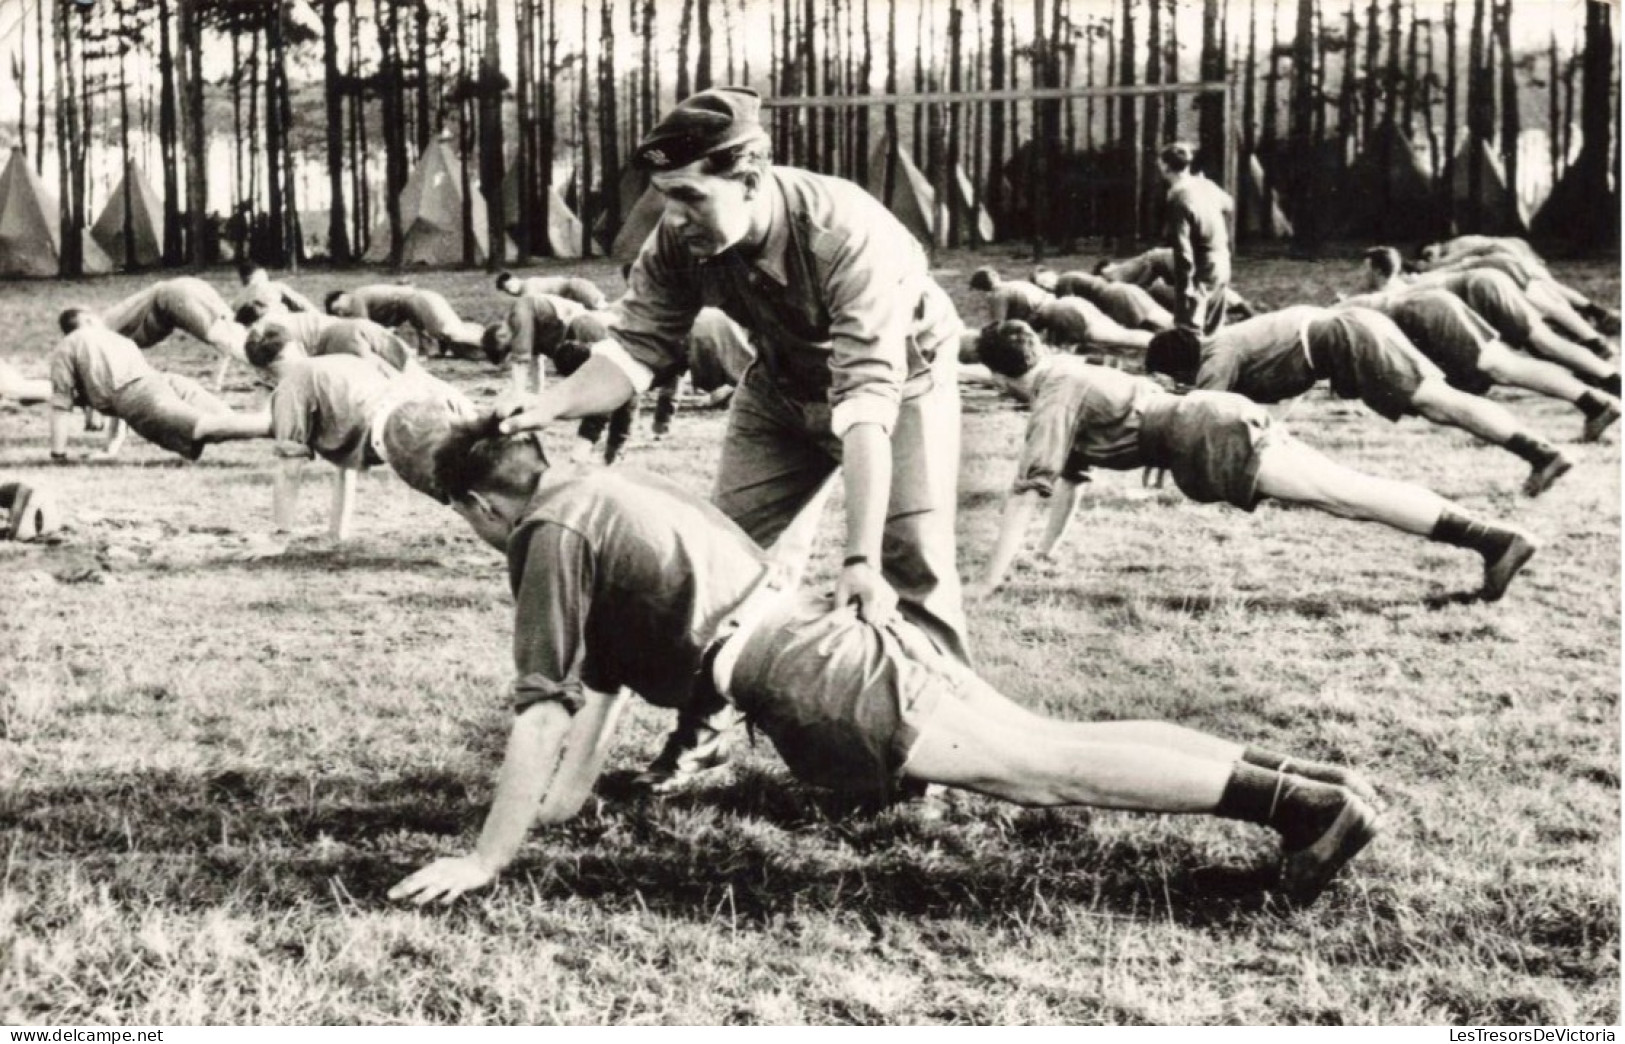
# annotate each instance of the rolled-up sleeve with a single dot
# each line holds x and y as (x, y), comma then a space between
(64, 380)
(552, 573)
(292, 406)
(873, 291)
(652, 319)
(1048, 444)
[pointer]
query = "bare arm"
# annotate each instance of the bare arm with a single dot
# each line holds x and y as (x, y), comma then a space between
(866, 466)
(285, 492)
(1019, 512)
(61, 422)
(117, 430)
(598, 387)
(1062, 506)
(591, 737)
(343, 510)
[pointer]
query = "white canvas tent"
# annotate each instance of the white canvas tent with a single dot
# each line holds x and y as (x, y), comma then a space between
(563, 232)
(145, 219)
(1492, 191)
(640, 222)
(432, 214)
(965, 199)
(913, 202)
(1392, 195)
(31, 226)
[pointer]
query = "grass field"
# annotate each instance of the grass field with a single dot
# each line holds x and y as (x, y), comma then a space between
(215, 760)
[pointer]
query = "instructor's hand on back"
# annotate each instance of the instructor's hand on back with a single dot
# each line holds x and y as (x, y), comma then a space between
(521, 411)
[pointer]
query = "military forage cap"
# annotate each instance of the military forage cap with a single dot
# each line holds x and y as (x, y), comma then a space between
(704, 123)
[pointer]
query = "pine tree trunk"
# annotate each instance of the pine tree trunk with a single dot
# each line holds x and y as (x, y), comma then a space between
(71, 259)
(1447, 181)
(702, 59)
(1151, 129)
(168, 133)
(393, 127)
(995, 116)
(588, 209)
(1511, 124)
(1474, 218)
(1372, 92)
(1128, 129)
(1301, 127)
(1211, 131)
(609, 151)
(197, 179)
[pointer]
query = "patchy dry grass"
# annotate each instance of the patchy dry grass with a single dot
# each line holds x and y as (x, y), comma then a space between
(213, 763)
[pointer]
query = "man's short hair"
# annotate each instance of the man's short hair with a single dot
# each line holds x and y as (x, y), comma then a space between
(264, 346)
(1176, 353)
(1010, 348)
(503, 280)
(332, 295)
(245, 271)
(475, 457)
(495, 349)
(69, 319)
(1385, 261)
(1177, 156)
(984, 279)
(626, 271)
(1101, 266)
(251, 312)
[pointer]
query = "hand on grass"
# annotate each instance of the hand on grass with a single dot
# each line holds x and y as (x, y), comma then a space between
(444, 880)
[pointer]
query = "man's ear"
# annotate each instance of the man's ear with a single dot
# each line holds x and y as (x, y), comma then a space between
(752, 180)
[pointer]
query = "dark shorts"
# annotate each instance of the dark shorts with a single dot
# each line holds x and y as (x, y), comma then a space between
(1381, 372)
(164, 408)
(842, 701)
(1210, 444)
(1504, 307)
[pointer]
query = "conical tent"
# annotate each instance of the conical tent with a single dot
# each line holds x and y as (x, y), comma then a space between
(1493, 195)
(1264, 216)
(563, 227)
(1393, 197)
(912, 200)
(640, 221)
(145, 220)
(432, 214)
(965, 199)
(31, 225)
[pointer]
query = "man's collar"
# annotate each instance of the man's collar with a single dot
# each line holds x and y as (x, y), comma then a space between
(774, 248)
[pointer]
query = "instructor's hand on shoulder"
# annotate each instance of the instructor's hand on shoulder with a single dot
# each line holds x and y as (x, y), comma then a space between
(521, 411)
(863, 584)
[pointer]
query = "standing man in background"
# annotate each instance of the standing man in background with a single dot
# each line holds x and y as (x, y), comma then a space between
(1199, 214)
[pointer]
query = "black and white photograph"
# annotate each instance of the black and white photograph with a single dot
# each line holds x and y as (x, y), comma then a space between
(883, 513)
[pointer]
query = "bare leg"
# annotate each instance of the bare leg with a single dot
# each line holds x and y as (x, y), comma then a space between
(1296, 473)
(1520, 371)
(1548, 298)
(1442, 404)
(342, 511)
(1549, 344)
(229, 427)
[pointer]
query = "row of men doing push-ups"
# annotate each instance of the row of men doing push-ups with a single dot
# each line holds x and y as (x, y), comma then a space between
(623, 582)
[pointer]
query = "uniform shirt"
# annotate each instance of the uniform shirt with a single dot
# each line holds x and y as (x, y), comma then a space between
(91, 365)
(840, 302)
(621, 579)
(262, 289)
(149, 316)
(1083, 413)
(1069, 320)
(537, 323)
(390, 305)
(305, 327)
(362, 337)
(324, 407)
(718, 351)
(1264, 358)
(1015, 299)
(583, 292)
(1199, 231)
(1428, 315)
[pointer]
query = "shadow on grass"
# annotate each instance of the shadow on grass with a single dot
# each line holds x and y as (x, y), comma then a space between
(342, 558)
(757, 849)
(1202, 603)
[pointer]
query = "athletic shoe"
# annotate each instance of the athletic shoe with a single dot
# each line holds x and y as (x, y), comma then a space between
(1499, 573)
(693, 750)
(1595, 426)
(1306, 871)
(1541, 478)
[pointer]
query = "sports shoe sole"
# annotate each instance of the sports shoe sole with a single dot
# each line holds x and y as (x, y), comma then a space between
(1499, 573)
(1541, 479)
(1595, 426)
(1306, 872)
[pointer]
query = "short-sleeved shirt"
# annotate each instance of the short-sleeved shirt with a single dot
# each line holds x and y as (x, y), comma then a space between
(538, 323)
(390, 305)
(1083, 415)
(184, 303)
(1264, 358)
(839, 302)
(583, 292)
(1015, 299)
(621, 579)
(1071, 320)
(305, 327)
(362, 337)
(1198, 217)
(92, 365)
(324, 407)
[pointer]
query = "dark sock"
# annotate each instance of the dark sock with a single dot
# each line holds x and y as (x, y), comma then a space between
(1593, 403)
(1537, 452)
(1460, 530)
(8, 494)
(1610, 384)
(1319, 771)
(1297, 808)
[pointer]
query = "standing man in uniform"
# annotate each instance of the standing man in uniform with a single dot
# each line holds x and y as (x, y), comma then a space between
(855, 370)
(1199, 214)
